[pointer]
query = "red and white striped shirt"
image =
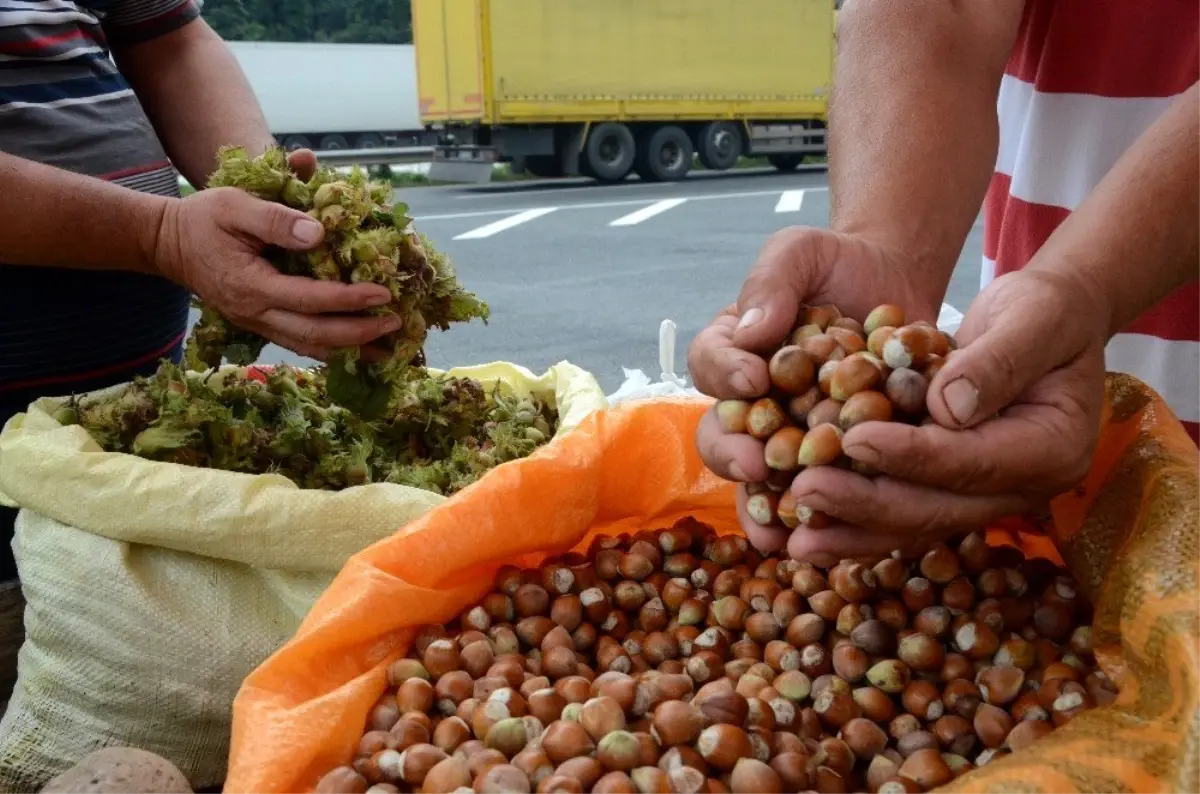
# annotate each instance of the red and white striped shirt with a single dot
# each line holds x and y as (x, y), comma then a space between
(1084, 81)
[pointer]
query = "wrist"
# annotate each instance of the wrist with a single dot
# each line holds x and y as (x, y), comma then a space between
(1083, 296)
(153, 220)
(916, 281)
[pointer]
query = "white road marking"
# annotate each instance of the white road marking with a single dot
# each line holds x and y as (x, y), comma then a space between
(790, 201)
(609, 204)
(636, 217)
(506, 223)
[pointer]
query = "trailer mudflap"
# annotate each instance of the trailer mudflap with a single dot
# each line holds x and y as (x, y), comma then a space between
(462, 163)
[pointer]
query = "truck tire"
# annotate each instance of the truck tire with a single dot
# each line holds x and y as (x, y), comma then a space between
(665, 155)
(293, 142)
(544, 166)
(785, 162)
(719, 145)
(332, 143)
(609, 152)
(368, 140)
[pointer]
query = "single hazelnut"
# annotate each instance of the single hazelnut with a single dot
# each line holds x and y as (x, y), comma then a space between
(752, 776)
(922, 699)
(564, 740)
(836, 708)
(940, 564)
(890, 675)
(619, 751)
(722, 745)
(676, 722)
(416, 762)
(764, 417)
(865, 738)
(501, 779)
(927, 769)
(792, 768)
(450, 733)
(955, 733)
(873, 637)
(1000, 685)
(992, 724)
(922, 652)
(850, 662)
(875, 703)
(976, 640)
(616, 782)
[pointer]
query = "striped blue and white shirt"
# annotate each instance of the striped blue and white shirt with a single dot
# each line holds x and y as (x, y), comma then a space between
(64, 103)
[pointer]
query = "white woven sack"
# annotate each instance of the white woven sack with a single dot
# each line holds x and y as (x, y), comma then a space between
(154, 589)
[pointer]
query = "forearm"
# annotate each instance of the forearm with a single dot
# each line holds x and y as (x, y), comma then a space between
(60, 219)
(913, 124)
(1134, 239)
(197, 97)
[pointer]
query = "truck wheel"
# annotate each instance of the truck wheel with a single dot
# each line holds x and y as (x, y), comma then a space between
(665, 155)
(368, 140)
(332, 143)
(293, 142)
(720, 145)
(785, 162)
(544, 166)
(609, 152)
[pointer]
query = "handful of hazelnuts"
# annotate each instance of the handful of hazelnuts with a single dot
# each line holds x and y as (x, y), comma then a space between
(833, 373)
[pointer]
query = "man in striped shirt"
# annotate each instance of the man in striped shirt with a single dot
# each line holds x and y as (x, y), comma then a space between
(98, 253)
(1079, 121)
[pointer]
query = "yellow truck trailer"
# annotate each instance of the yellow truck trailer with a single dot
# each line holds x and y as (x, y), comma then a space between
(603, 88)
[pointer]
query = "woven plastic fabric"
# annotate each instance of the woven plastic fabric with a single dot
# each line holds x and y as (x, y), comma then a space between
(1129, 534)
(153, 589)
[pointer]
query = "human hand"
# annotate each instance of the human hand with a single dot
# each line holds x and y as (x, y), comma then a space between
(212, 242)
(728, 359)
(1017, 410)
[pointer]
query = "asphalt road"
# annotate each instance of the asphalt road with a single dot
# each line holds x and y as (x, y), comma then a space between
(586, 273)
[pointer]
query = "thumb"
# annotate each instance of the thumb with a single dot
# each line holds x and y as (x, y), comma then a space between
(272, 223)
(978, 380)
(769, 302)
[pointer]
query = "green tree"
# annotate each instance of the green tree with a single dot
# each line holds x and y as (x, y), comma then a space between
(346, 21)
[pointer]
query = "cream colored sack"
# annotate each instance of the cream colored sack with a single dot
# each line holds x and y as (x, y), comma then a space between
(153, 589)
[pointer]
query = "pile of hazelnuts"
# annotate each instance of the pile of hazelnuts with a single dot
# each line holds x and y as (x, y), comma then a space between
(679, 661)
(833, 374)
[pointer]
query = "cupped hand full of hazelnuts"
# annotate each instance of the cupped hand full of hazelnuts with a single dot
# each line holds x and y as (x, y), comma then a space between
(833, 374)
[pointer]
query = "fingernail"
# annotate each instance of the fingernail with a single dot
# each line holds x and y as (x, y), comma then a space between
(862, 452)
(308, 231)
(735, 471)
(740, 383)
(382, 299)
(962, 398)
(750, 318)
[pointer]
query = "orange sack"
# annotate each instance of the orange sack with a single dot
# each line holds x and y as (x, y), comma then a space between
(1128, 534)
